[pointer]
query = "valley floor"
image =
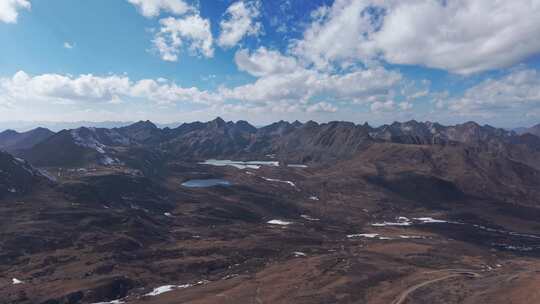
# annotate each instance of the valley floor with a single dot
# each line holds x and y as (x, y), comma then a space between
(275, 234)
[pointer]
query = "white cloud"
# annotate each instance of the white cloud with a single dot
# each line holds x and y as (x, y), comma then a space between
(405, 106)
(322, 107)
(304, 86)
(61, 88)
(85, 89)
(166, 93)
(283, 78)
(382, 106)
(519, 90)
(68, 45)
(239, 22)
(460, 36)
(190, 32)
(264, 62)
(9, 9)
(152, 8)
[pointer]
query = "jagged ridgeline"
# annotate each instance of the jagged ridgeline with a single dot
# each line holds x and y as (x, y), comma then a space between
(293, 142)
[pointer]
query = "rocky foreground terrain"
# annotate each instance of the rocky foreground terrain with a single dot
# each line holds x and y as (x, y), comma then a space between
(302, 213)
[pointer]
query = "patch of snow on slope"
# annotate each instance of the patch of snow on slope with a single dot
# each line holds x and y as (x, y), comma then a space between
(167, 288)
(279, 222)
(369, 236)
(297, 166)
(25, 165)
(428, 220)
(240, 164)
(366, 235)
(278, 181)
(309, 218)
(161, 289)
(89, 142)
(400, 221)
(46, 174)
(107, 160)
(112, 302)
(15, 281)
(411, 237)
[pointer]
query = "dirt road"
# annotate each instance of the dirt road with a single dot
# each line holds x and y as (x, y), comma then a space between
(455, 273)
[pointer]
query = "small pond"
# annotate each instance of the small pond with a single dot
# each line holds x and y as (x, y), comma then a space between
(204, 183)
(240, 164)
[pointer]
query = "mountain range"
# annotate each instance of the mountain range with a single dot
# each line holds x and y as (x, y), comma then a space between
(291, 212)
(296, 141)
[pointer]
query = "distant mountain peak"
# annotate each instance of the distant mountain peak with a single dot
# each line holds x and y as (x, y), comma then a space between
(11, 140)
(219, 120)
(143, 124)
(296, 124)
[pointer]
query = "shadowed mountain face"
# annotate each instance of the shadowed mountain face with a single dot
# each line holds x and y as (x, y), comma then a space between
(324, 213)
(12, 140)
(293, 142)
(17, 176)
(535, 130)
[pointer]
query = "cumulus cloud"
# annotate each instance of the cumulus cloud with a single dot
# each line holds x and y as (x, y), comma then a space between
(240, 21)
(152, 8)
(284, 80)
(304, 86)
(63, 88)
(300, 90)
(282, 77)
(165, 92)
(518, 90)
(405, 106)
(85, 89)
(9, 9)
(322, 107)
(264, 62)
(459, 36)
(383, 106)
(190, 32)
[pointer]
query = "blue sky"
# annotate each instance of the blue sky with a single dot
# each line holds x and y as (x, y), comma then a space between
(260, 60)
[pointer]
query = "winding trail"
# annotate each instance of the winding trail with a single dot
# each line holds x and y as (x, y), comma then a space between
(456, 273)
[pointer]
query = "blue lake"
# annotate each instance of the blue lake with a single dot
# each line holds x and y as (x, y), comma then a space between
(240, 164)
(203, 183)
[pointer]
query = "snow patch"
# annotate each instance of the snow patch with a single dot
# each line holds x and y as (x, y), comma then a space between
(15, 281)
(240, 164)
(313, 198)
(107, 160)
(161, 289)
(411, 237)
(369, 236)
(112, 302)
(278, 181)
(404, 221)
(279, 222)
(297, 166)
(309, 218)
(400, 221)
(428, 220)
(48, 176)
(299, 254)
(89, 142)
